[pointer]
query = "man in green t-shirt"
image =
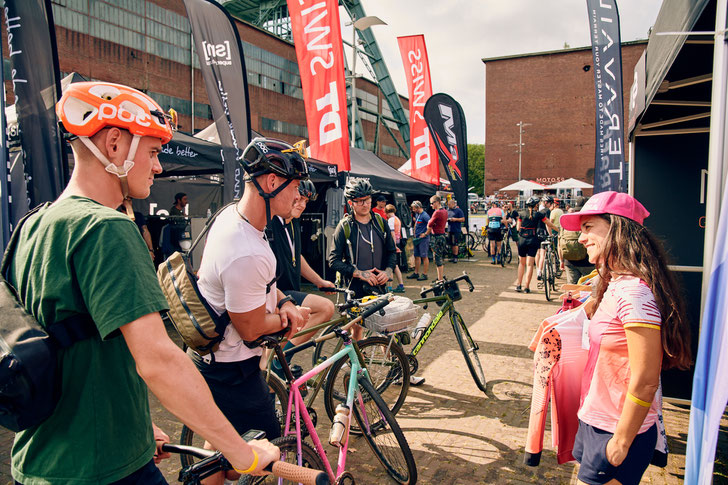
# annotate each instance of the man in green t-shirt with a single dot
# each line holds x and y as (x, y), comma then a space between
(79, 255)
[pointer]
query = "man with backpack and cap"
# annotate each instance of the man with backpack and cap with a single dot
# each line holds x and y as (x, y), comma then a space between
(79, 257)
(572, 253)
(363, 251)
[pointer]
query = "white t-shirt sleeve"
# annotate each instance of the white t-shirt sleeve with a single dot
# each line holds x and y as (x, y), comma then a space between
(245, 281)
(390, 221)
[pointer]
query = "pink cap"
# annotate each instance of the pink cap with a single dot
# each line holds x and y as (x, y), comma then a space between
(610, 202)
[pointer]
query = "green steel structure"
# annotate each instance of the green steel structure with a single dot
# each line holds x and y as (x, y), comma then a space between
(272, 15)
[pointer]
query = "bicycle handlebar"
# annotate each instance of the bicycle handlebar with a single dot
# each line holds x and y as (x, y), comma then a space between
(373, 307)
(440, 285)
(215, 460)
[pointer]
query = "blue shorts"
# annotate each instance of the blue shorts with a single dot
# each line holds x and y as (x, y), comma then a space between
(422, 247)
(590, 451)
(298, 296)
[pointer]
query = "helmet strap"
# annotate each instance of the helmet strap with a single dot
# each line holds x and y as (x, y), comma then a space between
(267, 196)
(120, 172)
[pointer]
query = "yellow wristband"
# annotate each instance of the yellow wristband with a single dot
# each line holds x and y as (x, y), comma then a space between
(252, 467)
(638, 401)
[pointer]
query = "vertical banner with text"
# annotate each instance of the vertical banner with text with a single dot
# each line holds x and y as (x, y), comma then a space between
(417, 69)
(317, 36)
(36, 84)
(446, 121)
(609, 164)
(222, 64)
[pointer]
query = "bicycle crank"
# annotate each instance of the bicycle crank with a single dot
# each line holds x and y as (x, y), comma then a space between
(413, 364)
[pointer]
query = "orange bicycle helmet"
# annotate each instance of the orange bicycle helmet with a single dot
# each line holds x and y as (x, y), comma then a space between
(85, 108)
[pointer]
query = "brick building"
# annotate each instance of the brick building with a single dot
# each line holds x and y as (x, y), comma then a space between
(552, 93)
(146, 44)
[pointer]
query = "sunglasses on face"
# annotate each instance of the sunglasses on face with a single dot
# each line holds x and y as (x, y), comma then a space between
(362, 201)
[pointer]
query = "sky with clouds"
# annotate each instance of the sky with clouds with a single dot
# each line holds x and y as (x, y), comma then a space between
(459, 33)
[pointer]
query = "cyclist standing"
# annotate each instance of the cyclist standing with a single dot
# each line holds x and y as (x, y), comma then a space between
(528, 223)
(237, 275)
(496, 218)
(363, 251)
(455, 219)
(291, 264)
(436, 228)
(79, 256)
(421, 242)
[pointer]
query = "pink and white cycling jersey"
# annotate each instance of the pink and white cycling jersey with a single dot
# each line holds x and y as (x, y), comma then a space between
(628, 302)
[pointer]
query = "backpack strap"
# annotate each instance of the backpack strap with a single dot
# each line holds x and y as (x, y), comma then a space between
(67, 331)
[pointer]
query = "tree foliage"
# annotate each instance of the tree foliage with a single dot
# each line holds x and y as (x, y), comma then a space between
(476, 168)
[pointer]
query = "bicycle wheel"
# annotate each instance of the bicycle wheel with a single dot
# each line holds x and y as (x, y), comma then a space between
(486, 245)
(288, 447)
(472, 243)
(545, 275)
(188, 438)
(552, 272)
(509, 253)
(280, 391)
(383, 434)
(503, 254)
(388, 369)
(469, 349)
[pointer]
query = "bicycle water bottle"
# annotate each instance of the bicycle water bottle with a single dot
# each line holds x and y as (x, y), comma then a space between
(339, 425)
(421, 326)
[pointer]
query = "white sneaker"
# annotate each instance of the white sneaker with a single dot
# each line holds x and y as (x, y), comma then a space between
(416, 380)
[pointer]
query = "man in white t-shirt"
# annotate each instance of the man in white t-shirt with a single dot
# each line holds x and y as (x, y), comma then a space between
(237, 274)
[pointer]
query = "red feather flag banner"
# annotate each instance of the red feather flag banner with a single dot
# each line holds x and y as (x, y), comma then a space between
(423, 152)
(317, 37)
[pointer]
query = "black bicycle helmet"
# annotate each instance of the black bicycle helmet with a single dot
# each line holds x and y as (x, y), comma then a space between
(547, 199)
(307, 189)
(267, 155)
(532, 202)
(357, 188)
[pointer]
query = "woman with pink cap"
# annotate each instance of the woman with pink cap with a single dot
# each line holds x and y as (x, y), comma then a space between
(638, 327)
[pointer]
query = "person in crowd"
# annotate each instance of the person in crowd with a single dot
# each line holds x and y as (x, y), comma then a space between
(421, 242)
(436, 231)
(529, 221)
(292, 265)
(541, 232)
(381, 204)
(363, 251)
(555, 213)
(237, 275)
(496, 221)
(572, 254)
(180, 202)
(455, 220)
(101, 430)
(395, 227)
(638, 328)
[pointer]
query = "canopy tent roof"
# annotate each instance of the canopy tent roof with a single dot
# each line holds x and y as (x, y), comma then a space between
(523, 185)
(191, 155)
(677, 88)
(570, 183)
(384, 178)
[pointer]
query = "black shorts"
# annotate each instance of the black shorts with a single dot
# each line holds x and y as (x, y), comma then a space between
(528, 247)
(454, 238)
(495, 235)
(298, 296)
(240, 391)
(590, 451)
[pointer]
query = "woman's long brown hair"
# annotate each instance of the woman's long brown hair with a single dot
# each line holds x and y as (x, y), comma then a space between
(631, 248)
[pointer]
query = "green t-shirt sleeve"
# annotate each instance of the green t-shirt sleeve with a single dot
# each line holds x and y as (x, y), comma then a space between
(116, 276)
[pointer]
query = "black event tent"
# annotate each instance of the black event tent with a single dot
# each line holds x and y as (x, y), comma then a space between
(367, 165)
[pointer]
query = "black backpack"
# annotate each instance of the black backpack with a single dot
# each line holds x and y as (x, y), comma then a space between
(29, 374)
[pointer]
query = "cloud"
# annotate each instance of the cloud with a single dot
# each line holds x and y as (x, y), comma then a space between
(459, 33)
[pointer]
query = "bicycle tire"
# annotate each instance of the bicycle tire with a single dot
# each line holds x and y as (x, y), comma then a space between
(324, 350)
(545, 279)
(391, 379)
(486, 246)
(280, 390)
(384, 435)
(289, 449)
(469, 349)
(472, 243)
(509, 253)
(277, 387)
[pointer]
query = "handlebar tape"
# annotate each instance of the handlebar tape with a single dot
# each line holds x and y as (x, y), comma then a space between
(297, 474)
